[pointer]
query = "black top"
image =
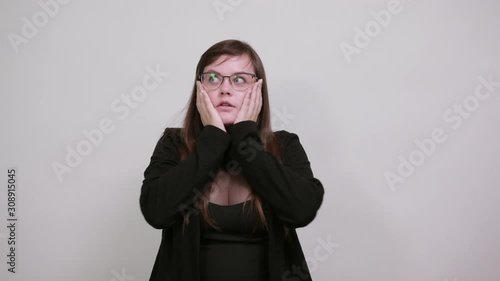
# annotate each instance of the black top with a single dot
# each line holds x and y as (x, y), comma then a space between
(237, 223)
(289, 192)
(238, 249)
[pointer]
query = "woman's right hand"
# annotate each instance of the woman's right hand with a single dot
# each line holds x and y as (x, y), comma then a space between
(209, 115)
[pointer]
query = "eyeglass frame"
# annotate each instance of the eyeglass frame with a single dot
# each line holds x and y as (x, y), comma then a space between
(228, 77)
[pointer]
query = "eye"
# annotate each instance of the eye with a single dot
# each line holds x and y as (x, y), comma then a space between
(213, 78)
(239, 79)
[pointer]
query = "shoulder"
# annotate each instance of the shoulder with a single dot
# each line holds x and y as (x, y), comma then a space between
(286, 141)
(284, 137)
(170, 139)
(172, 132)
(290, 145)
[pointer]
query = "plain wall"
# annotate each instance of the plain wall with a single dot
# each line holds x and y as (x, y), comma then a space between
(398, 98)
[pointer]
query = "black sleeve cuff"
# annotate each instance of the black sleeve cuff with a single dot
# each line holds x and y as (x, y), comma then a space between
(241, 130)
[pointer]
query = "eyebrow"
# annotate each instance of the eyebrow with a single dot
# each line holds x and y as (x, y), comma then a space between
(239, 72)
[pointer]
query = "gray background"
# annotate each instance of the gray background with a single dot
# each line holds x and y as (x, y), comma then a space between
(357, 116)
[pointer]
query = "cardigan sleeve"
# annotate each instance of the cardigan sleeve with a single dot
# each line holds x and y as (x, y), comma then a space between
(290, 189)
(170, 186)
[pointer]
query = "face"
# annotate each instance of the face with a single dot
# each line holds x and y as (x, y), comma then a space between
(227, 66)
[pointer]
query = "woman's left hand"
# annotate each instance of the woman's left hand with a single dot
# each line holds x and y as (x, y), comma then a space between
(252, 104)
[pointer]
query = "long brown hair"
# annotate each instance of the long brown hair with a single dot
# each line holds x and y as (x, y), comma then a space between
(192, 125)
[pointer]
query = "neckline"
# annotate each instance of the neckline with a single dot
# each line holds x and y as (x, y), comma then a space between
(233, 205)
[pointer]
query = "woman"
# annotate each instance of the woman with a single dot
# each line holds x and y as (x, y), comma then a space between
(227, 192)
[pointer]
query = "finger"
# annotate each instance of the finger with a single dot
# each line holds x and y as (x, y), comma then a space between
(201, 92)
(242, 114)
(198, 96)
(255, 96)
(198, 86)
(203, 99)
(260, 96)
(251, 94)
(199, 105)
(257, 100)
(246, 99)
(260, 89)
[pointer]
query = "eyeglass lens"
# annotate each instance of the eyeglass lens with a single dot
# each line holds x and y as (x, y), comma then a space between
(239, 81)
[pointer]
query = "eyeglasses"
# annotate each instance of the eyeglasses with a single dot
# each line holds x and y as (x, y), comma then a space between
(239, 81)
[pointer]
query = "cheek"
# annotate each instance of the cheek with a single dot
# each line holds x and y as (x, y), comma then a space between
(212, 95)
(240, 99)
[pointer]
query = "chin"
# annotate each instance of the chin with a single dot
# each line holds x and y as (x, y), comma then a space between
(228, 121)
(227, 124)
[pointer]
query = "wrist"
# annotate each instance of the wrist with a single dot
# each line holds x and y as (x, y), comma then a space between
(243, 127)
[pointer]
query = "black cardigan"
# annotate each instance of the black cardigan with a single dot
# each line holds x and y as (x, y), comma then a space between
(290, 195)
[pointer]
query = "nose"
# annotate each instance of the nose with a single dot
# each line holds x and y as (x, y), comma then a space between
(225, 87)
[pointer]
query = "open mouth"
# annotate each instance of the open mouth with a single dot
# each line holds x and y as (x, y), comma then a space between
(225, 104)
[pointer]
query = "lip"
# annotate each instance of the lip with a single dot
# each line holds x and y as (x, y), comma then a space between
(229, 105)
(225, 107)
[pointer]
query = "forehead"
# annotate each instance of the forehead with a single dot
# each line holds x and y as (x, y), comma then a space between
(227, 65)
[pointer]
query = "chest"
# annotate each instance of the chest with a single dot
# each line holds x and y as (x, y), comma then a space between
(229, 189)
